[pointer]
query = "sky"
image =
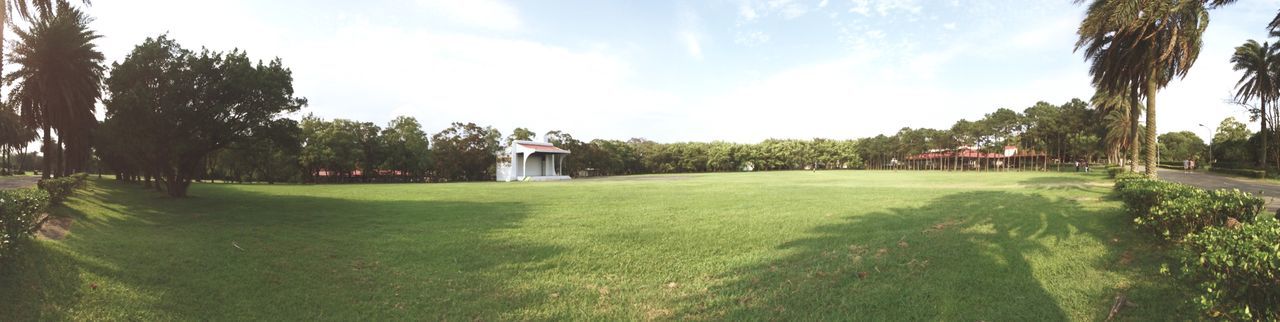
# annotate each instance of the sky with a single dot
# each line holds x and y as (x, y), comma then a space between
(670, 70)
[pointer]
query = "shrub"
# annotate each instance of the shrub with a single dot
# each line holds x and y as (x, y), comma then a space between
(61, 188)
(1140, 195)
(1113, 172)
(1173, 210)
(1242, 172)
(20, 211)
(1237, 269)
(1126, 177)
(1236, 204)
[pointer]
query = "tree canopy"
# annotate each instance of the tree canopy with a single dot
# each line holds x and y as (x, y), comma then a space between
(174, 107)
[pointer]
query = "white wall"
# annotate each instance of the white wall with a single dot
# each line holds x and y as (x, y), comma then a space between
(535, 166)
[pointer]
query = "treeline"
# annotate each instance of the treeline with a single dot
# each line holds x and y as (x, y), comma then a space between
(1071, 131)
(340, 150)
(637, 156)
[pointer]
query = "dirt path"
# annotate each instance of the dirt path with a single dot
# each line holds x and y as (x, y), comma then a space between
(16, 182)
(1267, 190)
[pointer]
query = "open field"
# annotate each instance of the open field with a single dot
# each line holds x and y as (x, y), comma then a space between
(868, 245)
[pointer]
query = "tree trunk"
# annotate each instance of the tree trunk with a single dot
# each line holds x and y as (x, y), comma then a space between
(176, 186)
(46, 149)
(1151, 129)
(62, 157)
(1134, 114)
(1263, 157)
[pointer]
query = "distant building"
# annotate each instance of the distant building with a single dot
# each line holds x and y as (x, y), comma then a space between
(532, 161)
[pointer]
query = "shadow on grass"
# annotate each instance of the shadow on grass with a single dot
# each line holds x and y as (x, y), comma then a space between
(238, 255)
(966, 256)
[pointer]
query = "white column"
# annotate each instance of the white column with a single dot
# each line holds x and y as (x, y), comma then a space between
(524, 168)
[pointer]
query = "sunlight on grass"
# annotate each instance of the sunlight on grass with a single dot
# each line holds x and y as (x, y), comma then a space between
(775, 245)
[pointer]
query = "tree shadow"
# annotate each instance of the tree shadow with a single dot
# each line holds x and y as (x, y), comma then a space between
(966, 256)
(1080, 182)
(232, 254)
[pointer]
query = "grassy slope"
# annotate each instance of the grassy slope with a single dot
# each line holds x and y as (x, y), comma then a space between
(1009, 246)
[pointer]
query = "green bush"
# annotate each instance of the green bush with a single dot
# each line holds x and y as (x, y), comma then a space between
(1242, 172)
(61, 188)
(1113, 172)
(1237, 269)
(1126, 177)
(1173, 210)
(20, 211)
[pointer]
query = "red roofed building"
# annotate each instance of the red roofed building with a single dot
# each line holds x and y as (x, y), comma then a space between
(532, 161)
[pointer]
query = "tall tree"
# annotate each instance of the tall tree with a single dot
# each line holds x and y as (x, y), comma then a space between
(187, 105)
(1122, 118)
(59, 83)
(9, 9)
(521, 134)
(466, 152)
(406, 147)
(1258, 63)
(1138, 46)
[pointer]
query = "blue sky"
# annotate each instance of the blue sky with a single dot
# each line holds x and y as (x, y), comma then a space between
(731, 70)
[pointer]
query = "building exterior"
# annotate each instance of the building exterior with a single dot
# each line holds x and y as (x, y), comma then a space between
(532, 161)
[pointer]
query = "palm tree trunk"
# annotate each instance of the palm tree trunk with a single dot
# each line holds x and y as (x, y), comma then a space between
(62, 157)
(46, 149)
(1151, 129)
(4, 18)
(1134, 115)
(1263, 157)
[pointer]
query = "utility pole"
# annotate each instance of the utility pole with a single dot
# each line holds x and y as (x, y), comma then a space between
(1211, 133)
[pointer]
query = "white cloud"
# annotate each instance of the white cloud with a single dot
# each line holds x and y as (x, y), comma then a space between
(1061, 31)
(788, 8)
(747, 12)
(488, 14)
(823, 4)
(752, 38)
(885, 6)
(949, 26)
(691, 44)
(442, 77)
(690, 34)
(862, 7)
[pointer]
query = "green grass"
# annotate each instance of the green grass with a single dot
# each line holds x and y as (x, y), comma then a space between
(773, 245)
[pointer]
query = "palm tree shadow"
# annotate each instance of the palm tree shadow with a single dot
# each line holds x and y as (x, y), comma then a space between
(966, 256)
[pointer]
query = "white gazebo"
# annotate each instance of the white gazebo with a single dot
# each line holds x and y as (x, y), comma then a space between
(532, 161)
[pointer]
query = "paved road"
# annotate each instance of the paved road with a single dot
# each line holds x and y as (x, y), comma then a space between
(15, 182)
(1267, 190)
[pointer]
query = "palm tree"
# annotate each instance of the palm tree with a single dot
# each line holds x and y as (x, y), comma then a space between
(1122, 117)
(1138, 46)
(58, 82)
(23, 9)
(1259, 63)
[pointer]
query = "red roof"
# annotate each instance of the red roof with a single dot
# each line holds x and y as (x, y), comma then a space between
(542, 148)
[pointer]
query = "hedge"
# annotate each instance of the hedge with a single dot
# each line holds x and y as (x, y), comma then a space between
(1242, 172)
(1173, 210)
(1228, 250)
(61, 188)
(1113, 172)
(1237, 270)
(20, 211)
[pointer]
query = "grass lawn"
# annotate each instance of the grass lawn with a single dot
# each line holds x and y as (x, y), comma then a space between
(865, 245)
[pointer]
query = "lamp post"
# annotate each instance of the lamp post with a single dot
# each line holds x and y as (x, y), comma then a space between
(1211, 132)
